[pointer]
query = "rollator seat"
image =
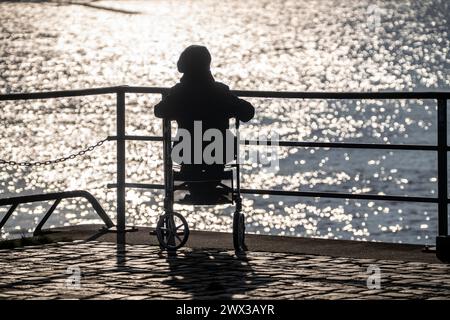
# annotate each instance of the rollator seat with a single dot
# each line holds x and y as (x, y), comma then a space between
(202, 176)
(203, 187)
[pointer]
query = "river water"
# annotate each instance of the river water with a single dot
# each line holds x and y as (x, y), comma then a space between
(311, 45)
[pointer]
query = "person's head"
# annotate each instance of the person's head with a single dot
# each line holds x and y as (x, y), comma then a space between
(194, 59)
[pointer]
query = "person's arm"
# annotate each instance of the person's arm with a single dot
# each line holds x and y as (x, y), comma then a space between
(161, 109)
(243, 110)
(166, 108)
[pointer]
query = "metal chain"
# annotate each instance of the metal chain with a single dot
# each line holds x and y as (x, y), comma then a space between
(49, 162)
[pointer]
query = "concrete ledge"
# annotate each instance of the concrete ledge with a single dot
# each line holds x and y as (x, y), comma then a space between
(262, 243)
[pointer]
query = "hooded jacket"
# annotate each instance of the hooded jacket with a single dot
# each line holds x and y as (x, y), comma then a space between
(198, 97)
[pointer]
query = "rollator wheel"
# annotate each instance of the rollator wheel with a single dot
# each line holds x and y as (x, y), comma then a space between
(172, 231)
(239, 232)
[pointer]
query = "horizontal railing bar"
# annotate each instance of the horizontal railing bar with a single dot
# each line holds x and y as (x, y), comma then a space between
(138, 138)
(342, 95)
(343, 145)
(242, 93)
(307, 144)
(302, 193)
(140, 89)
(339, 195)
(60, 94)
(316, 95)
(138, 185)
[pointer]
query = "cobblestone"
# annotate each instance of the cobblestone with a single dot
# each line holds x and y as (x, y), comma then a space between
(143, 272)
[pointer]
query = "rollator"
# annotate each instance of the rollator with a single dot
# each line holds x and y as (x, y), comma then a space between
(206, 187)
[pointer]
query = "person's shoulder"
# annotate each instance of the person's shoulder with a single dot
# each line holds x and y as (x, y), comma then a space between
(222, 87)
(176, 89)
(173, 94)
(170, 97)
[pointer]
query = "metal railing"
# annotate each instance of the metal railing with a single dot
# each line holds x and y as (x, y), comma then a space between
(121, 137)
(14, 202)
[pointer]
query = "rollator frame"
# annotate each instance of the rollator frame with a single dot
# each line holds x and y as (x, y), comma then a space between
(172, 229)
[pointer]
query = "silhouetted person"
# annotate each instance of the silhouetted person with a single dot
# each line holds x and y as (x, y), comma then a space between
(198, 97)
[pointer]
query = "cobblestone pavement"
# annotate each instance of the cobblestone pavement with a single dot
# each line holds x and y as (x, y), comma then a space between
(143, 272)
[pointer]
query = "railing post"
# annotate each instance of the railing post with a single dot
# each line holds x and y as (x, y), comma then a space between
(442, 241)
(238, 167)
(168, 176)
(442, 167)
(120, 127)
(168, 181)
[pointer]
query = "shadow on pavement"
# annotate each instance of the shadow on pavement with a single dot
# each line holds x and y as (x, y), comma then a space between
(212, 274)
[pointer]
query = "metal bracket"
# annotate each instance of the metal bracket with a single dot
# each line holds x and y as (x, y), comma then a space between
(57, 196)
